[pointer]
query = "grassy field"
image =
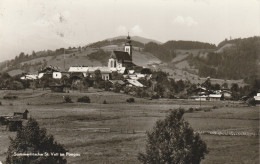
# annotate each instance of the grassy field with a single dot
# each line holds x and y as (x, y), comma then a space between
(77, 125)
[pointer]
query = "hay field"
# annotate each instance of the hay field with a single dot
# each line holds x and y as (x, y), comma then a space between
(115, 132)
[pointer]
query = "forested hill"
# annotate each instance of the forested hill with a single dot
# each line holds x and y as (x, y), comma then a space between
(187, 45)
(166, 51)
(240, 61)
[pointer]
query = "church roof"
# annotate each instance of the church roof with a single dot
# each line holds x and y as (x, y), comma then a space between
(120, 55)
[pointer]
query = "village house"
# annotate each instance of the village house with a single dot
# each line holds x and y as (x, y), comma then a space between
(29, 77)
(257, 98)
(89, 71)
(50, 71)
(214, 97)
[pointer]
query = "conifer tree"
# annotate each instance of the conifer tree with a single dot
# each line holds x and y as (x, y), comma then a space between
(31, 139)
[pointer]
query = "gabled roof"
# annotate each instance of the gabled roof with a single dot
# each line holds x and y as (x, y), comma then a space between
(120, 55)
(49, 69)
(117, 81)
(135, 83)
(89, 69)
(78, 69)
(214, 96)
(30, 77)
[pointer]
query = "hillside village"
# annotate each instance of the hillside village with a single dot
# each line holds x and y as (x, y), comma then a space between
(121, 72)
(119, 62)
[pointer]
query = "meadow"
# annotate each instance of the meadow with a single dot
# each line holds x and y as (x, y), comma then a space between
(116, 132)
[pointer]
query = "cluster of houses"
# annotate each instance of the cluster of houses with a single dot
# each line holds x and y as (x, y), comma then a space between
(119, 61)
(202, 94)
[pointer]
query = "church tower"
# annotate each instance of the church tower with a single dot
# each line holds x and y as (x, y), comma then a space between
(128, 46)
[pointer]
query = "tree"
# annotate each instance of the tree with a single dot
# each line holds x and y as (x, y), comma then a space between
(98, 79)
(116, 76)
(216, 87)
(207, 84)
(224, 85)
(33, 54)
(234, 87)
(172, 140)
(33, 139)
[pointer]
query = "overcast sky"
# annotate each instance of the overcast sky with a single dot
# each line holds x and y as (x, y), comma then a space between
(27, 25)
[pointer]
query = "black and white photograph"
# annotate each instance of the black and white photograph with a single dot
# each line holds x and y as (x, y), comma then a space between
(129, 81)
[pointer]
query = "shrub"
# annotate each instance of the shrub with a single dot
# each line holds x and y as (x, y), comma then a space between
(251, 102)
(10, 97)
(33, 139)
(67, 99)
(0, 103)
(172, 140)
(155, 96)
(11, 104)
(104, 102)
(84, 99)
(190, 110)
(130, 100)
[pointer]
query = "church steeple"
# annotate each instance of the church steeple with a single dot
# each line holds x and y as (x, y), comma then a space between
(128, 46)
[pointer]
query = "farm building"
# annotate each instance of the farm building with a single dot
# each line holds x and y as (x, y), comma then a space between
(105, 71)
(121, 82)
(50, 72)
(226, 93)
(215, 97)
(29, 77)
(14, 124)
(200, 98)
(257, 98)
(135, 83)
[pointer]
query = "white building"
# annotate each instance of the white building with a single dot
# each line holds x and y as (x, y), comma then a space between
(105, 71)
(50, 71)
(257, 98)
(29, 77)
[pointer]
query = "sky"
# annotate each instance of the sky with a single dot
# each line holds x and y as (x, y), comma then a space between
(27, 25)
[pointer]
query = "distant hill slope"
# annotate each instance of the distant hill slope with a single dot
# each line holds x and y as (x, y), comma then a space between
(239, 61)
(224, 47)
(136, 38)
(187, 45)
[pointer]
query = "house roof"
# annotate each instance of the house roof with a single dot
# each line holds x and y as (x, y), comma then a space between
(214, 96)
(120, 55)
(135, 83)
(78, 69)
(117, 81)
(30, 77)
(49, 69)
(146, 71)
(102, 69)
(89, 69)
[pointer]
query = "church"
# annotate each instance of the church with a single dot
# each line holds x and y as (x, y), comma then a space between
(122, 60)
(119, 61)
